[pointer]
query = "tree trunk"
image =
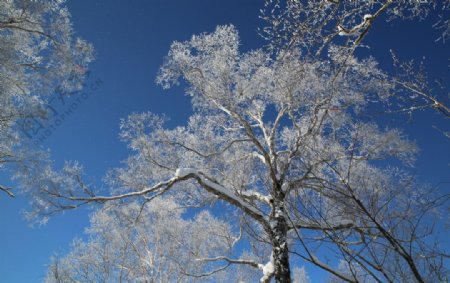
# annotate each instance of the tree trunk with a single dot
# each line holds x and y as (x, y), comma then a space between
(282, 272)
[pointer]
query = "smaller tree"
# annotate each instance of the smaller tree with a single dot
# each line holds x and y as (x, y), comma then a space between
(151, 243)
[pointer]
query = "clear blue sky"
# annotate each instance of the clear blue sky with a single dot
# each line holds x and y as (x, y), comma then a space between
(131, 39)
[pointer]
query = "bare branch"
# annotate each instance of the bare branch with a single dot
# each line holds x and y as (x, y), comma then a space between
(7, 191)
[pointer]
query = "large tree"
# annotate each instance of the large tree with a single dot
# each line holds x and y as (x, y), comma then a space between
(280, 142)
(40, 57)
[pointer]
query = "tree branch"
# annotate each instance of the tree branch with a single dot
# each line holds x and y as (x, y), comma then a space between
(7, 191)
(232, 261)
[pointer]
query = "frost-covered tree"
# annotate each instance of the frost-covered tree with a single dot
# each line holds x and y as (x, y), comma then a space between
(279, 145)
(155, 243)
(39, 58)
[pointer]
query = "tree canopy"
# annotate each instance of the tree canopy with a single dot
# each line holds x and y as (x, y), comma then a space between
(278, 166)
(281, 142)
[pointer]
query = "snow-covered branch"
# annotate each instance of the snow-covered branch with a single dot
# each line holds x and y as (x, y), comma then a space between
(160, 186)
(256, 196)
(234, 261)
(181, 174)
(363, 25)
(223, 193)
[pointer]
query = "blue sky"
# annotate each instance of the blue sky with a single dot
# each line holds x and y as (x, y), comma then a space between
(131, 39)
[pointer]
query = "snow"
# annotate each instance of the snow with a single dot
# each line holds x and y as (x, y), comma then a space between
(259, 156)
(183, 172)
(267, 269)
(256, 195)
(342, 31)
(278, 213)
(367, 17)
